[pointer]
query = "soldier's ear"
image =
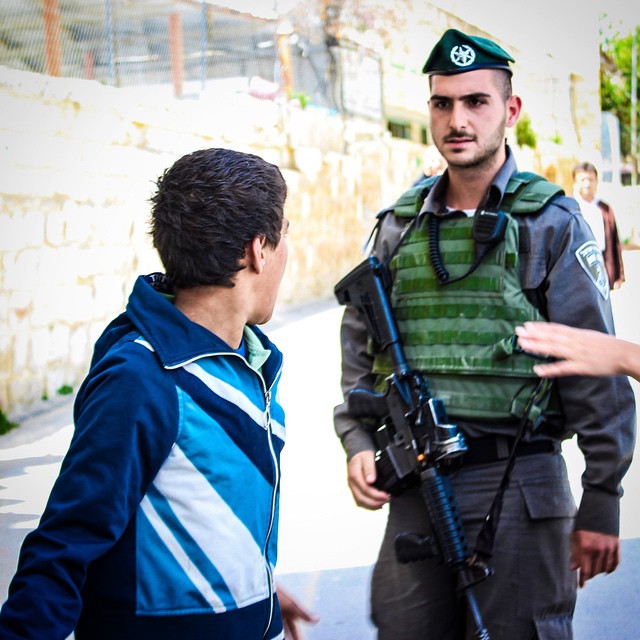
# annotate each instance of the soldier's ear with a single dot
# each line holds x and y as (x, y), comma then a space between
(514, 106)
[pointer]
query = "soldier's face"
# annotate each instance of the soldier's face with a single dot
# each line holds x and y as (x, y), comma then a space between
(469, 114)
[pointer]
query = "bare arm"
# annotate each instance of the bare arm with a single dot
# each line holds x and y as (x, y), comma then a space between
(579, 351)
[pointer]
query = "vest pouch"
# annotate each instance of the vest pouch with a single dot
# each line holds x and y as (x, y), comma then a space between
(477, 397)
(504, 348)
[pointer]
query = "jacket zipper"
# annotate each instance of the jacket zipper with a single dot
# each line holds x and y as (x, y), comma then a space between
(267, 417)
(270, 579)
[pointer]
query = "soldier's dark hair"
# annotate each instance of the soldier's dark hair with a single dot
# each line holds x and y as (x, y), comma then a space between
(208, 206)
(503, 82)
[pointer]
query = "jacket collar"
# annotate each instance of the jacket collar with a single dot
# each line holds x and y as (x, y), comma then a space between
(175, 339)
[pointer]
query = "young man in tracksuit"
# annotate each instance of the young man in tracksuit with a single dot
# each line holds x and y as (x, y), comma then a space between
(163, 522)
(457, 318)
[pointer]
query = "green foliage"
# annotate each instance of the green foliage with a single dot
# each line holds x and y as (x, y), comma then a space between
(65, 390)
(525, 135)
(556, 138)
(5, 424)
(615, 83)
(302, 98)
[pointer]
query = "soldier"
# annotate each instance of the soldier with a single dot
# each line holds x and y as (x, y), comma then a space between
(458, 292)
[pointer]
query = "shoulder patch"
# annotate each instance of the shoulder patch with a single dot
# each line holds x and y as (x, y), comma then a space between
(589, 256)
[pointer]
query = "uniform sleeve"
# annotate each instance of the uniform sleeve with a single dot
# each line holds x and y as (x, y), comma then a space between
(356, 373)
(356, 359)
(126, 419)
(613, 248)
(601, 411)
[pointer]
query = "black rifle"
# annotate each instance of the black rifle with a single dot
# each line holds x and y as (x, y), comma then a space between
(413, 437)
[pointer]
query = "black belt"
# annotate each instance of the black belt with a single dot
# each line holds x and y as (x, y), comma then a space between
(494, 448)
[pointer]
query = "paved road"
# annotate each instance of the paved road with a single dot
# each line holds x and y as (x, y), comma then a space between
(327, 544)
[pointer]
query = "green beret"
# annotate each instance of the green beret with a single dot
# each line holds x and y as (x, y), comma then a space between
(457, 52)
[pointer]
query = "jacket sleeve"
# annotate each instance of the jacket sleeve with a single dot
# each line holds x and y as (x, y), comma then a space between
(125, 425)
(613, 247)
(601, 411)
(356, 359)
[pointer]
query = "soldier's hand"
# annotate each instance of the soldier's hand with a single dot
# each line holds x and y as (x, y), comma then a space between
(361, 474)
(593, 553)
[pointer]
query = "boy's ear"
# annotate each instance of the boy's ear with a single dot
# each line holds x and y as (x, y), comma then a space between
(256, 256)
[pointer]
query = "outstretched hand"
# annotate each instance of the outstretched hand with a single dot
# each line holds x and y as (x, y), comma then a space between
(579, 351)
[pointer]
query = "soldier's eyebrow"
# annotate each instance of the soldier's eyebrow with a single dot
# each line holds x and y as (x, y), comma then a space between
(469, 96)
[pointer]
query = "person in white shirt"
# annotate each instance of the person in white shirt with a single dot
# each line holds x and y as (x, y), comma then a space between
(601, 219)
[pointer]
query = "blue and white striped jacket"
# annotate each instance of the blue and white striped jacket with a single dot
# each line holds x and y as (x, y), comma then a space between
(163, 522)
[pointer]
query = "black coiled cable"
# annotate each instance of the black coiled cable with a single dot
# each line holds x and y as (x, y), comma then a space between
(434, 250)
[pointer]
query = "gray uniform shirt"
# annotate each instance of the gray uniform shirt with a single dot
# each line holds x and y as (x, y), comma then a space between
(601, 411)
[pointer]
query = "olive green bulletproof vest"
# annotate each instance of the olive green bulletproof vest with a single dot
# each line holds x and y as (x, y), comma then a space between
(461, 335)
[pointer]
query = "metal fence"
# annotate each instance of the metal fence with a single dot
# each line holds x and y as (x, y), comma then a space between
(186, 46)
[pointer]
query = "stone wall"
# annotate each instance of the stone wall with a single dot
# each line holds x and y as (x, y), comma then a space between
(78, 161)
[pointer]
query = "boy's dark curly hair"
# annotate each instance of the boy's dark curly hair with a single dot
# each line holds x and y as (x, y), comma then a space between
(208, 206)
